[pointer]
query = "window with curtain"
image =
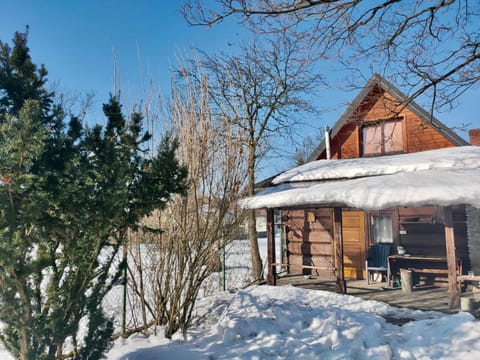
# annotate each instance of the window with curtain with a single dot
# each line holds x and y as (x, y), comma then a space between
(383, 137)
(382, 229)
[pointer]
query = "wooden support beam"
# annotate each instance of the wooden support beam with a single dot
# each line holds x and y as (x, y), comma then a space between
(338, 243)
(453, 292)
(271, 260)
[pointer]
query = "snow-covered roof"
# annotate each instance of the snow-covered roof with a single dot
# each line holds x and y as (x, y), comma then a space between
(446, 176)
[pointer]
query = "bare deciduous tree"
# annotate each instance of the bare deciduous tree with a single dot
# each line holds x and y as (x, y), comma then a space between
(430, 46)
(303, 151)
(262, 92)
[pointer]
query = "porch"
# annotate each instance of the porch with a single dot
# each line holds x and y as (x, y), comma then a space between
(426, 297)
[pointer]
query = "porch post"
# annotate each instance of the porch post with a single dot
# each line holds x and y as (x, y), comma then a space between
(338, 243)
(272, 270)
(453, 293)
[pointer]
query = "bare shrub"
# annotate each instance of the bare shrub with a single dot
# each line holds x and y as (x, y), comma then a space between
(171, 261)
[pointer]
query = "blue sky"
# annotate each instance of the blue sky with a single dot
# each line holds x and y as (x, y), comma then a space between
(75, 40)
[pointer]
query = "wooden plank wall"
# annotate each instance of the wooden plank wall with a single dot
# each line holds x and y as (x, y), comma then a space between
(473, 229)
(346, 144)
(426, 231)
(425, 235)
(417, 134)
(309, 244)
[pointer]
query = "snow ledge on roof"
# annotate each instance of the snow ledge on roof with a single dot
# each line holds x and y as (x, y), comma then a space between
(437, 177)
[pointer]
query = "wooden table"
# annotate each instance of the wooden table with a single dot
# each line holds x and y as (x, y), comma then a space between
(421, 264)
(463, 278)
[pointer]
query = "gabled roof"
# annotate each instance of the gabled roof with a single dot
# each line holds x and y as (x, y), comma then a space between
(378, 81)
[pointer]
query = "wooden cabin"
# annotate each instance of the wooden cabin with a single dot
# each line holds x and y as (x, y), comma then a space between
(381, 121)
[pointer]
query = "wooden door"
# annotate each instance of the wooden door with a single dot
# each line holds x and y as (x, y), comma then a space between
(354, 244)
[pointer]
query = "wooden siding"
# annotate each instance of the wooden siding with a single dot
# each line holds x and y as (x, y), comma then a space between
(422, 136)
(420, 230)
(422, 233)
(380, 106)
(309, 244)
(418, 135)
(425, 231)
(473, 230)
(346, 144)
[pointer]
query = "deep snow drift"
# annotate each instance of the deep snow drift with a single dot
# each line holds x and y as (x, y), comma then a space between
(291, 323)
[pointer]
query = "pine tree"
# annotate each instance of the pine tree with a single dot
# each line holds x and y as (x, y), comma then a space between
(68, 195)
(20, 78)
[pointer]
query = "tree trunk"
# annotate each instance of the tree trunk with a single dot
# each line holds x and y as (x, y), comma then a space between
(254, 252)
(24, 348)
(26, 311)
(252, 225)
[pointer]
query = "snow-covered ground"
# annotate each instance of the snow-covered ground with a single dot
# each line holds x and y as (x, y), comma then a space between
(265, 322)
(291, 323)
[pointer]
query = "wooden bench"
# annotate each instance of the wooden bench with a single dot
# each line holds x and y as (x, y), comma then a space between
(436, 271)
(409, 263)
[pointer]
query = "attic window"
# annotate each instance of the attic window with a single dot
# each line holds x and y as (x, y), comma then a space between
(382, 137)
